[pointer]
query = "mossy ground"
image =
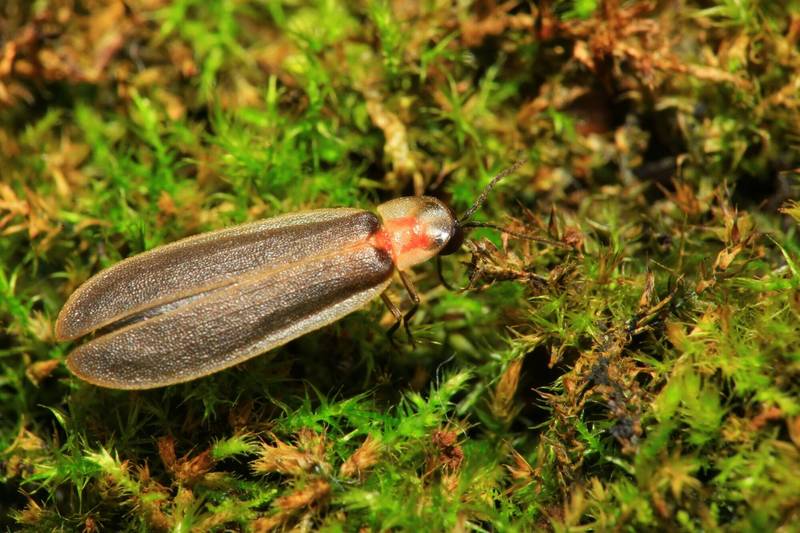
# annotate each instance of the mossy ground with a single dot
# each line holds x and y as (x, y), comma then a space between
(643, 373)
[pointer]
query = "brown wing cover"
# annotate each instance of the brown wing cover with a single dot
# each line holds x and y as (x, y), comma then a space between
(257, 312)
(174, 314)
(190, 266)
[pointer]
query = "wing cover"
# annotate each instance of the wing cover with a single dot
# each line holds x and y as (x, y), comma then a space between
(186, 268)
(253, 313)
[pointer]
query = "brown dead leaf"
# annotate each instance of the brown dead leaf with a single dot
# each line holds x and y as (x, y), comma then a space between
(188, 469)
(502, 404)
(396, 147)
(494, 22)
(364, 458)
(313, 494)
(768, 414)
(793, 425)
(166, 450)
(41, 370)
(305, 456)
(726, 256)
(521, 471)
(447, 454)
(647, 292)
(573, 237)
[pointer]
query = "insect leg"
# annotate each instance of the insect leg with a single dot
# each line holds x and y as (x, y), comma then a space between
(412, 293)
(397, 315)
(441, 276)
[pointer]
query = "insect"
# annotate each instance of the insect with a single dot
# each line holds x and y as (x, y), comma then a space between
(204, 303)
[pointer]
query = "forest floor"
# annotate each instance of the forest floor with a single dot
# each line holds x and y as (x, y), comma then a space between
(636, 368)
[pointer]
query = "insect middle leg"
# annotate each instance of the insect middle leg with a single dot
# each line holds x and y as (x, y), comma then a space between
(398, 317)
(412, 293)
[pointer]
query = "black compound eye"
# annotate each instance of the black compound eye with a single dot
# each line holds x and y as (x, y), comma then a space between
(455, 242)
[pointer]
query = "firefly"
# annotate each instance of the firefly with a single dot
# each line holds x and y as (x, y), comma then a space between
(204, 303)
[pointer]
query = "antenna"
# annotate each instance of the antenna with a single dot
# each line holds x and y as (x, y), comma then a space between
(486, 190)
(517, 234)
(462, 224)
